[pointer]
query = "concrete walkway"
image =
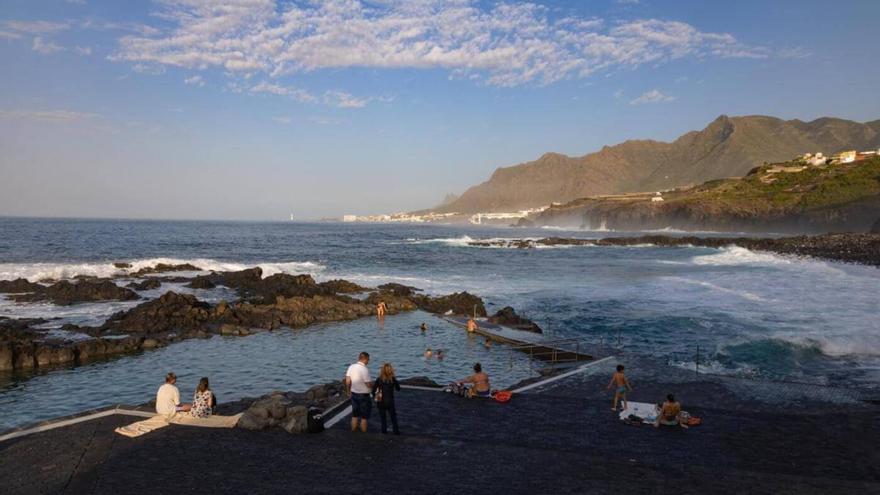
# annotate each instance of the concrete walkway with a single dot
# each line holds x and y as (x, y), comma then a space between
(562, 439)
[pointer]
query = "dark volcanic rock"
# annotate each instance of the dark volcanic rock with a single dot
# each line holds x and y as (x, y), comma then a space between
(876, 228)
(163, 268)
(148, 284)
(122, 265)
(394, 304)
(201, 282)
(459, 303)
(84, 290)
(18, 286)
(342, 287)
(508, 317)
(170, 312)
(398, 289)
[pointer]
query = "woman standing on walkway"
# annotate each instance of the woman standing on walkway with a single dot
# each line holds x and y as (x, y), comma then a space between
(383, 391)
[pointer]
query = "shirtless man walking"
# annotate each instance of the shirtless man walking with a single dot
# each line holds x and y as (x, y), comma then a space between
(621, 385)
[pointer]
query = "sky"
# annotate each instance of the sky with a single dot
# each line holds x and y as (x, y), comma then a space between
(261, 109)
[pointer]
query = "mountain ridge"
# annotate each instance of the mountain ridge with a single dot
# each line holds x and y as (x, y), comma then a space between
(726, 147)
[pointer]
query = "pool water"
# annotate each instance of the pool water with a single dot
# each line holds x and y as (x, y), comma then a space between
(261, 363)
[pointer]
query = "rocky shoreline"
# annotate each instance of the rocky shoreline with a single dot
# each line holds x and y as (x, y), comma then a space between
(849, 247)
(270, 303)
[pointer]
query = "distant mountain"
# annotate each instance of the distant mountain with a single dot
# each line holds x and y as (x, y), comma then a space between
(727, 147)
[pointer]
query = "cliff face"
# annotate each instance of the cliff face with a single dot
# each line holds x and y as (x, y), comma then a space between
(834, 198)
(727, 147)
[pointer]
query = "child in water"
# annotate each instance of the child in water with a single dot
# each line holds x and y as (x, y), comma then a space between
(428, 353)
(621, 384)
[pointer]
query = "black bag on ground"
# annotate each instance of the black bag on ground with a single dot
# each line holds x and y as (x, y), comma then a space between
(315, 420)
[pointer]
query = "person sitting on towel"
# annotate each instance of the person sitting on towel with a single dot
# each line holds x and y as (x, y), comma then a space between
(480, 381)
(168, 398)
(203, 400)
(670, 413)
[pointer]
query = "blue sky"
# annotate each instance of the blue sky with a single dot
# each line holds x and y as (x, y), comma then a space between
(255, 109)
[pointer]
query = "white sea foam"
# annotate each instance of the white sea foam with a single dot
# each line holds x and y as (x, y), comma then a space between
(58, 271)
(714, 367)
(849, 344)
(735, 255)
(736, 292)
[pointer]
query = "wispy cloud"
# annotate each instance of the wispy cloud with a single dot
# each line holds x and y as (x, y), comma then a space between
(83, 50)
(46, 47)
(505, 44)
(36, 27)
(284, 120)
(46, 115)
(653, 96)
(194, 81)
(343, 99)
(149, 69)
(9, 35)
(297, 94)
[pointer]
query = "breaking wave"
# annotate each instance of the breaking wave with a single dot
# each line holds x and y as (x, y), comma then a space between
(59, 271)
(735, 255)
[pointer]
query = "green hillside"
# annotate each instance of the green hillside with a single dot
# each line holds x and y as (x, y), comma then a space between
(779, 189)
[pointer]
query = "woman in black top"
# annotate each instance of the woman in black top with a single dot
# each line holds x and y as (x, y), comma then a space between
(383, 391)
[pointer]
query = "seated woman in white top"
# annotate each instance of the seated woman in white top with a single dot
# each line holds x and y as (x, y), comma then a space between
(203, 400)
(168, 398)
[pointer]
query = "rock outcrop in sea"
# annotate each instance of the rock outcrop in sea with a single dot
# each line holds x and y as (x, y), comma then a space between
(277, 301)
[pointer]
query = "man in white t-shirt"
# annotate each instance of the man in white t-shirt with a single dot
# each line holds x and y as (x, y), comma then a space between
(359, 385)
(168, 398)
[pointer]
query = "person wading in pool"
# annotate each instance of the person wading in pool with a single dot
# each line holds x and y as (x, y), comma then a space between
(380, 309)
(358, 385)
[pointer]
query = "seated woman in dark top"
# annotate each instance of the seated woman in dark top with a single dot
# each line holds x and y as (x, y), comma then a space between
(383, 391)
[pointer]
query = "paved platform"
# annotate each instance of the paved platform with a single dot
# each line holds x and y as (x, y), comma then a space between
(560, 438)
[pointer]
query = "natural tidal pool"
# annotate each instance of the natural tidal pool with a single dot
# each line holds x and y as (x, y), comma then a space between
(258, 364)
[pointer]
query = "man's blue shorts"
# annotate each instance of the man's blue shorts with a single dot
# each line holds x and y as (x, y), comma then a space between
(361, 406)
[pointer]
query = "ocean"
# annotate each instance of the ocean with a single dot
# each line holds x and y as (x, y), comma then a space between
(755, 315)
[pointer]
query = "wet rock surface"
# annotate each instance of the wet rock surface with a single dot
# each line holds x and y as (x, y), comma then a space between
(160, 268)
(398, 289)
(148, 284)
(340, 286)
(65, 292)
(18, 286)
(459, 303)
(507, 316)
(847, 247)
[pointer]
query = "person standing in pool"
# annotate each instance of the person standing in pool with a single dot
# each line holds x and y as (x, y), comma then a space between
(380, 309)
(621, 384)
(472, 325)
(424, 327)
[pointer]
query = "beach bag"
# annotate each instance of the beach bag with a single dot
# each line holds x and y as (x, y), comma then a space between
(503, 396)
(457, 389)
(315, 420)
